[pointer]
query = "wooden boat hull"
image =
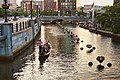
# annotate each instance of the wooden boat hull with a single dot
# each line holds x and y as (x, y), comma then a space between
(42, 57)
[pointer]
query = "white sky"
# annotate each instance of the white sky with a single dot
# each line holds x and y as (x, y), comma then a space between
(83, 2)
(97, 2)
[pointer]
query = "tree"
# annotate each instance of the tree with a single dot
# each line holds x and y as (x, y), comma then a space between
(81, 12)
(116, 25)
(14, 13)
(115, 10)
(25, 13)
(111, 18)
(2, 12)
(102, 19)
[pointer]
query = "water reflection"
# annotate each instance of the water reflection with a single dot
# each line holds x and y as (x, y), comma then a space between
(67, 62)
(6, 71)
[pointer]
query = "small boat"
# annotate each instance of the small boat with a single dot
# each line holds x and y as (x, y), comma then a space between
(43, 57)
(44, 52)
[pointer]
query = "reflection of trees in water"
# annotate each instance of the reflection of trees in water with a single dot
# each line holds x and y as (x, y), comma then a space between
(65, 48)
(62, 44)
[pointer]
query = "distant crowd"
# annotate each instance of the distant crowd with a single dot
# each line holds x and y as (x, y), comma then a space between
(91, 24)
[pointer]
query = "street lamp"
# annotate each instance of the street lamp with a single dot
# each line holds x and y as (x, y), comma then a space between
(5, 6)
(31, 8)
(51, 11)
(37, 9)
(59, 13)
(76, 13)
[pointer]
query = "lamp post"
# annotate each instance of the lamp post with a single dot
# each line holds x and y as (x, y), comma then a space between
(31, 8)
(59, 13)
(51, 14)
(37, 9)
(5, 6)
(76, 13)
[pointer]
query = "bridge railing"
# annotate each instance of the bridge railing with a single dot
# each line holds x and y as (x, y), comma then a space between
(69, 18)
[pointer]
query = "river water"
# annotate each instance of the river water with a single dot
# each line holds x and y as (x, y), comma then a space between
(66, 61)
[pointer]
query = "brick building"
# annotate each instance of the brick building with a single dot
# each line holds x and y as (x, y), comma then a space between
(66, 6)
(50, 5)
(26, 5)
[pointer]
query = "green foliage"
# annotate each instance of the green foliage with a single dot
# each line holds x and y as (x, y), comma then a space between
(54, 13)
(107, 24)
(25, 14)
(2, 12)
(81, 12)
(49, 13)
(107, 8)
(116, 25)
(115, 10)
(65, 14)
(16, 12)
(73, 12)
(43, 12)
(103, 18)
(110, 20)
(34, 13)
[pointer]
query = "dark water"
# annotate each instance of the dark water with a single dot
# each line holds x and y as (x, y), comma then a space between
(66, 61)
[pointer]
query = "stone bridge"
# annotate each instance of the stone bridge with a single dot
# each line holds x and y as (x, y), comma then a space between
(63, 18)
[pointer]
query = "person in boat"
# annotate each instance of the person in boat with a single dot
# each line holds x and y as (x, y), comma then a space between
(47, 47)
(39, 42)
(44, 48)
(40, 47)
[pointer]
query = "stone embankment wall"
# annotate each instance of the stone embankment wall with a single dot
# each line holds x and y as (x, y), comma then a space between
(15, 39)
(112, 35)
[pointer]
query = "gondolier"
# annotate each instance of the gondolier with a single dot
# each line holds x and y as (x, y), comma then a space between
(44, 51)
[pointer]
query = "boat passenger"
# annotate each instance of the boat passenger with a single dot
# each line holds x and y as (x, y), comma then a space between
(48, 46)
(40, 47)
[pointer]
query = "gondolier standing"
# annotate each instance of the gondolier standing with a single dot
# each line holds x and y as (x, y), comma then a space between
(48, 46)
(44, 52)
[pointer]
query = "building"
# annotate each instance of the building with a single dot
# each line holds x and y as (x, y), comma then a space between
(50, 5)
(12, 3)
(26, 5)
(42, 5)
(87, 8)
(116, 1)
(66, 6)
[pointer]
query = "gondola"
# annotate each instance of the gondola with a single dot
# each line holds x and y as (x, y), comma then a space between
(43, 57)
(44, 51)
